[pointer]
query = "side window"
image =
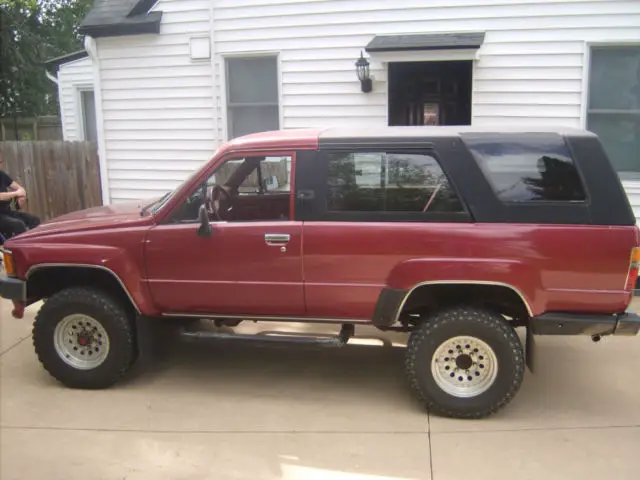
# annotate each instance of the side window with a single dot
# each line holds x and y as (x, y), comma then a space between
(388, 182)
(255, 189)
(528, 169)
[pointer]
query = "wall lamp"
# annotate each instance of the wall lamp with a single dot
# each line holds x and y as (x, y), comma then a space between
(362, 70)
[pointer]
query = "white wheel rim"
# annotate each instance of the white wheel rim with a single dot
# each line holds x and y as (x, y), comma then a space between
(464, 366)
(81, 341)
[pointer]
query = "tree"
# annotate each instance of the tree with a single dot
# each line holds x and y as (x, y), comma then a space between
(31, 32)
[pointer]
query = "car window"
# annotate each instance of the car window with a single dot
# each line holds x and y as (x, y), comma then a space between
(388, 182)
(259, 189)
(528, 169)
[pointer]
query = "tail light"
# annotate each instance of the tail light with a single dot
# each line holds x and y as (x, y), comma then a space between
(634, 267)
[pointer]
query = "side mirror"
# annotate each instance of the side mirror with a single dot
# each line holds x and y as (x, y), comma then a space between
(204, 230)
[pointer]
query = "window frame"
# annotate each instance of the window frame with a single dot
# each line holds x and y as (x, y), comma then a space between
(322, 213)
(605, 112)
(235, 155)
(228, 105)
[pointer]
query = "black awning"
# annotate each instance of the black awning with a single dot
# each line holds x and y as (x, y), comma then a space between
(439, 41)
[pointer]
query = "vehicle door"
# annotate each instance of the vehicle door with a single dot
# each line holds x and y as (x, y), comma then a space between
(366, 209)
(250, 262)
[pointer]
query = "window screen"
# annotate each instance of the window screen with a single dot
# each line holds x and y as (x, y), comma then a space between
(614, 103)
(388, 182)
(528, 168)
(252, 95)
(88, 103)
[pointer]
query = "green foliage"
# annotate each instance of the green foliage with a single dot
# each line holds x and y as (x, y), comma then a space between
(31, 32)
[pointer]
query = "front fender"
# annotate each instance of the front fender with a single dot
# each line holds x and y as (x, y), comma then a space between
(118, 261)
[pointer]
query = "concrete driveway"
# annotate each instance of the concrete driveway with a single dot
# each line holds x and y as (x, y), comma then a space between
(222, 411)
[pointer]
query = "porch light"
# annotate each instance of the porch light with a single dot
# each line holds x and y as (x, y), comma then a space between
(362, 70)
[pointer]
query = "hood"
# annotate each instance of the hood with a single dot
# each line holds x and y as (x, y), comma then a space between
(110, 216)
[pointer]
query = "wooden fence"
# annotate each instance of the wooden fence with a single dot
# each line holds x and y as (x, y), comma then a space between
(59, 177)
(26, 129)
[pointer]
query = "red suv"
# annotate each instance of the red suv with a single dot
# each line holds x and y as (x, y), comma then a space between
(455, 235)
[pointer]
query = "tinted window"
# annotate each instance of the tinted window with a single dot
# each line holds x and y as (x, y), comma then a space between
(528, 169)
(388, 182)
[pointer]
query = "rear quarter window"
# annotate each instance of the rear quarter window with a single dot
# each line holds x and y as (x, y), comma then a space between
(528, 168)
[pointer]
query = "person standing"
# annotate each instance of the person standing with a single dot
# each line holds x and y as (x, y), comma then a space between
(13, 222)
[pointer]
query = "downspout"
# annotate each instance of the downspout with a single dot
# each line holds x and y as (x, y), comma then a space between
(55, 80)
(51, 77)
(91, 47)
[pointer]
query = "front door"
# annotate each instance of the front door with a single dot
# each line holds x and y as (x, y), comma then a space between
(251, 263)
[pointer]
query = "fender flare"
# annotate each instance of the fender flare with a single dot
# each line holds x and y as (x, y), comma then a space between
(44, 266)
(391, 301)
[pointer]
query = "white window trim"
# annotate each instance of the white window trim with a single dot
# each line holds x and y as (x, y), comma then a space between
(222, 58)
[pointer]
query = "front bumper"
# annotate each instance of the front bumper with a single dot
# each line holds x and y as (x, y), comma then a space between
(596, 325)
(13, 289)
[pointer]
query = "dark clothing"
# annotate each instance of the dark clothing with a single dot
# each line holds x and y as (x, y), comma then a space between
(5, 181)
(13, 223)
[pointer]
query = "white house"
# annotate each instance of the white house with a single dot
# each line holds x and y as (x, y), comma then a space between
(173, 79)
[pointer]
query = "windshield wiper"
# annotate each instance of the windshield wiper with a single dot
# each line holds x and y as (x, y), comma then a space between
(146, 207)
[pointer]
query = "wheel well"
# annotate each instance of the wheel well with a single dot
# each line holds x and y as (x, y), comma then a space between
(498, 298)
(47, 281)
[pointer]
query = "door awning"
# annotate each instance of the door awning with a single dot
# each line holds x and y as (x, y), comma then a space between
(441, 41)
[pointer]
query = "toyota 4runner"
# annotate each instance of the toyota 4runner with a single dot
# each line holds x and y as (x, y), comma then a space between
(454, 235)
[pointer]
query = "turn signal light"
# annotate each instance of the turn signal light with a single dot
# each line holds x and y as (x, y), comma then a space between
(9, 266)
(634, 266)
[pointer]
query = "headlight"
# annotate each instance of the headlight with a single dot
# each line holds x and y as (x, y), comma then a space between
(9, 266)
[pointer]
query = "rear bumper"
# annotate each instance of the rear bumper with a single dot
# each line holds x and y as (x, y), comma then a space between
(13, 289)
(585, 324)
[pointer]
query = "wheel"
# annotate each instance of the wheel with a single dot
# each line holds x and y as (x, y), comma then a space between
(84, 338)
(465, 362)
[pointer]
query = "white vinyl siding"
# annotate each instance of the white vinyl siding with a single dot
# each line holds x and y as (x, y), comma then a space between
(164, 114)
(529, 71)
(73, 78)
(158, 109)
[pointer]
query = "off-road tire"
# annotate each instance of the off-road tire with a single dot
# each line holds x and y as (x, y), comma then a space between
(485, 325)
(113, 318)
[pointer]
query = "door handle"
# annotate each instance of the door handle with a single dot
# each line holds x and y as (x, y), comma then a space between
(277, 238)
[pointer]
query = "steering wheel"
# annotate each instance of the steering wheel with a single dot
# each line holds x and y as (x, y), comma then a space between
(216, 196)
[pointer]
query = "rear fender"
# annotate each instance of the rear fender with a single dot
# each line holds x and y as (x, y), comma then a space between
(406, 277)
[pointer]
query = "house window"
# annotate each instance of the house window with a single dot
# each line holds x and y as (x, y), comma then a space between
(252, 95)
(88, 105)
(614, 103)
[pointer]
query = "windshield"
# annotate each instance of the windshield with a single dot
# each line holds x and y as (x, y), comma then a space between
(159, 203)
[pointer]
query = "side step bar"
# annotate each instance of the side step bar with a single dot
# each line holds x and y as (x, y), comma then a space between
(340, 340)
